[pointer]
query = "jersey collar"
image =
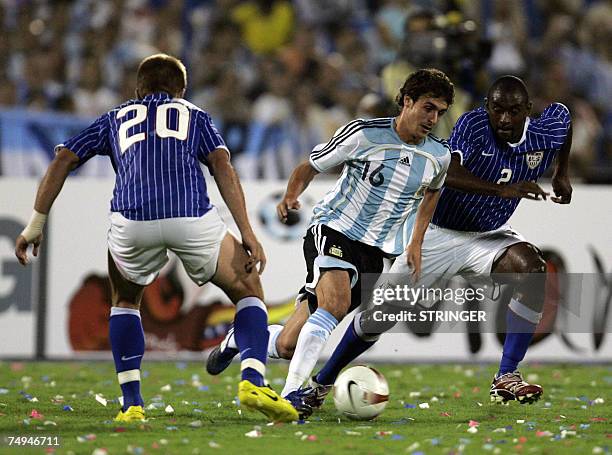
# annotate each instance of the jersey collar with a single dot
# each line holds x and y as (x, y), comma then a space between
(524, 136)
(159, 95)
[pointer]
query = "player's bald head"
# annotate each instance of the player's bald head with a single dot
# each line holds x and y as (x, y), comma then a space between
(161, 73)
(509, 86)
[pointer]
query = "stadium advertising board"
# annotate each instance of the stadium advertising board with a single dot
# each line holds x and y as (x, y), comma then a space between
(19, 286)
(182, 319)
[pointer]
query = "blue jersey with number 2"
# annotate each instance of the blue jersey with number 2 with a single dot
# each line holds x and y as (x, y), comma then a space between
(485, 157)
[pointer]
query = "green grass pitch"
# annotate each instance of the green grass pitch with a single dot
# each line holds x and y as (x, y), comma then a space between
(59, 399)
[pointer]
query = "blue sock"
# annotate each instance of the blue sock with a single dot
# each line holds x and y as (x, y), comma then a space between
(519, 332)
(350, 347)
(251, 334)
(128, 345)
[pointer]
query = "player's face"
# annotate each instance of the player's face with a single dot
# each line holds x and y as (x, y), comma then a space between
(507, 114)
(421, 116)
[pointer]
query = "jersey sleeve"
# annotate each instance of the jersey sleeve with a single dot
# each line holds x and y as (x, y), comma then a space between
(210, 138)
(463, 137)
(556, 120)
(92, 141)
(444, 162)
(343, 146)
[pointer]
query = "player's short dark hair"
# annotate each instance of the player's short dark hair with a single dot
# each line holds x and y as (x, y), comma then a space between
(161, 73)
(507, 84)
(427, 82)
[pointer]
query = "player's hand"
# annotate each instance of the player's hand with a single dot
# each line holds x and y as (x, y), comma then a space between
(563, 190)
(256, 254)
(21, 248)
(288, 203)
(413, 259)
(526, 190)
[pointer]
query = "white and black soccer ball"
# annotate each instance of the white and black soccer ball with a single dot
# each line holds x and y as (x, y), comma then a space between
(361, 393)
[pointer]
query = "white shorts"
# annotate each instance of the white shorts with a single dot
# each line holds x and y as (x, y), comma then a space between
(140, 248)
(448, 252)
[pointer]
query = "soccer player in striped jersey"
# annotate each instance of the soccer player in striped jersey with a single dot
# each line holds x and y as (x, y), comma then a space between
(384, 199)
(498, 152)
(156, 143)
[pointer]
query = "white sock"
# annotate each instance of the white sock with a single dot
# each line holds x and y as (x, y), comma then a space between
(275, 331)
(313, 337)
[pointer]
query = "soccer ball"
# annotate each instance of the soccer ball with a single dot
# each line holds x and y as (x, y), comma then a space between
(361, 393)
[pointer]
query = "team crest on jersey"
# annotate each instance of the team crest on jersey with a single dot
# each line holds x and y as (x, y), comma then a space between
(335, 250)
(534, 159)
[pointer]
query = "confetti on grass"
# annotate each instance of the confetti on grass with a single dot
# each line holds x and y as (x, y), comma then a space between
(100, 399)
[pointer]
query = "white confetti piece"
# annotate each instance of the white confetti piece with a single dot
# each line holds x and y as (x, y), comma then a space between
(472, 430)
(520, 421)
(253, 434)
(100, 399)
(424, 405)
(169, 409)
(196, 424)
(166, 388)
(214, 445)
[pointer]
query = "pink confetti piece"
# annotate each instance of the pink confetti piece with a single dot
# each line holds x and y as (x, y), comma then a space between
(445, 414)
(312, 437)
(473, 423)
(543, 434)
(36, 415)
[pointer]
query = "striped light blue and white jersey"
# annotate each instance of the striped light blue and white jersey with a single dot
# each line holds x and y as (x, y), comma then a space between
(155, 145)
(375, 200)
(486, 157)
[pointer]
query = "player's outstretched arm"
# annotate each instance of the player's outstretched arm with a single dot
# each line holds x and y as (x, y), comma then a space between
(299, 180)
(560, 181)
(460, 178)
(421, 222)
(231, 192)
(50, 186)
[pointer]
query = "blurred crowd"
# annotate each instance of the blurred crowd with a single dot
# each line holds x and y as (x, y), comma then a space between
(280, 76)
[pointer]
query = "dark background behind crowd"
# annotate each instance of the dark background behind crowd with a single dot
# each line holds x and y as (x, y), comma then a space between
(281, 76)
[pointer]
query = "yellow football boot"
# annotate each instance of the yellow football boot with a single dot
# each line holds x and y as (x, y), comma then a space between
(266, 401)
(132, 415)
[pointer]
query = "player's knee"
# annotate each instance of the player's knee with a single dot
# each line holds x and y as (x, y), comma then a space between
(530, 263)
(285, 347)
(520, 261)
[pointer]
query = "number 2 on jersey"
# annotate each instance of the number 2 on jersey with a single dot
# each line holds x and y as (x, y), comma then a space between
(506, 175)
(161, 123)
